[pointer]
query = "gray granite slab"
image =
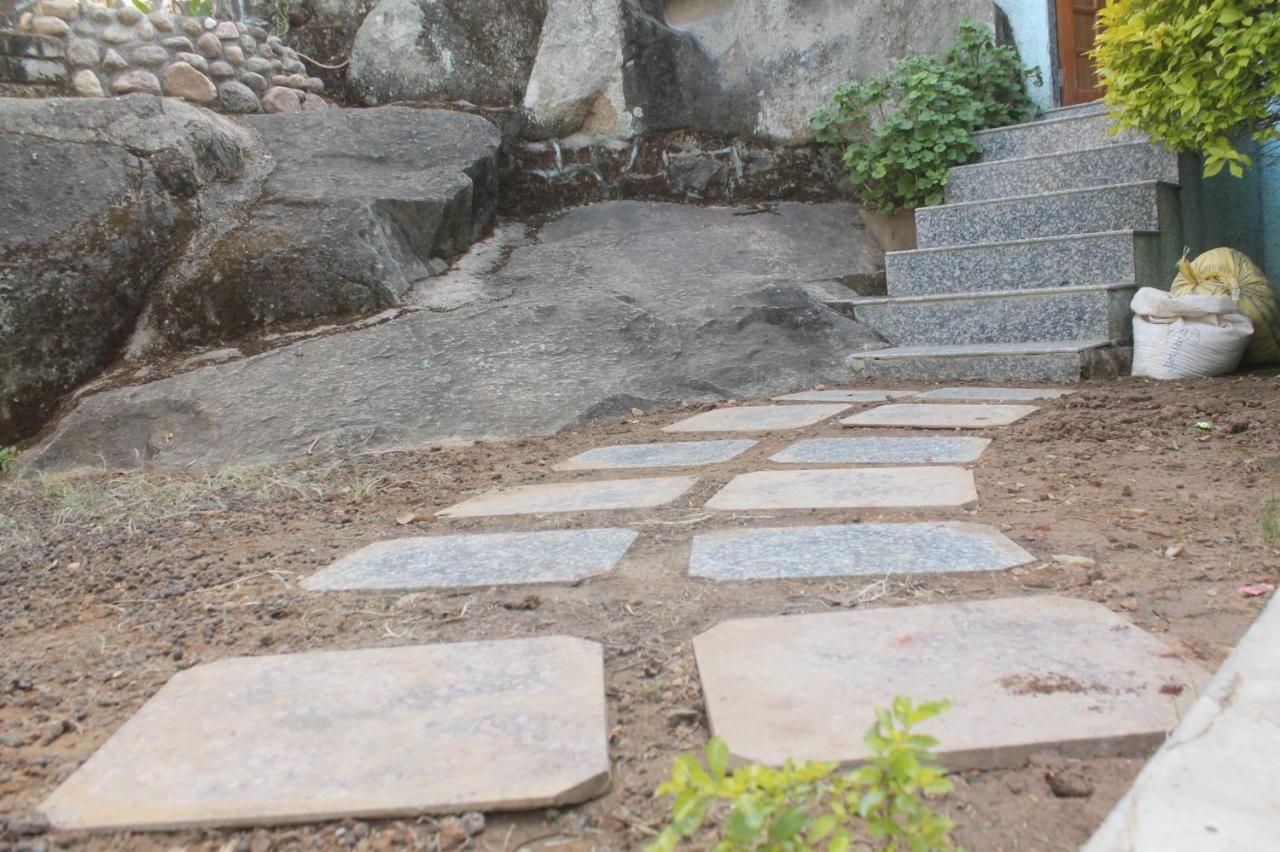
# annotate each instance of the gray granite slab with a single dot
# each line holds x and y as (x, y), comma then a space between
(672, 454)
(489, 559)
(756, 418)
(852, 550)
(850, 488)
(844, 396)
(936, 415)
(574, 497)
(1024, 674)
(994, 394)
(883, 450)
(375, 733)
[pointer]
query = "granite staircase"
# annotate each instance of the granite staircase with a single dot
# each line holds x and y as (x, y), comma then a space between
(1026, 271)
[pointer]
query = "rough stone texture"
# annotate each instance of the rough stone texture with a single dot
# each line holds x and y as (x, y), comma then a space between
(280, 99)
(107, 190)
(672, 454)
(1050, 136)
(186, 82)
(83, 52)
(135, 82)
(237, 97)
(940, 416)
(883, 450)
(480, 51)
(981, 394)
(844, 396)
(616, 306)
(86, 84)
(1049, 361)
(574, 497)
(327, 735)
(577, 82)
(756, 418)
(857, 488)
(424, 185)
(1205, 789)
(853, 550)
(1024, 675)
(454, 561)
(1102, 166)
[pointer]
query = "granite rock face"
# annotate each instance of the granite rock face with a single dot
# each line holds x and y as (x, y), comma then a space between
(615, 306)
(108, 190)
(479, 51)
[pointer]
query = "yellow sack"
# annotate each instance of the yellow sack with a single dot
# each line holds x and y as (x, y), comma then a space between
(1227, 272)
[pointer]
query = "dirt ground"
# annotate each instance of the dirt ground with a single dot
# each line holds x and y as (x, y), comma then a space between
(112, 582)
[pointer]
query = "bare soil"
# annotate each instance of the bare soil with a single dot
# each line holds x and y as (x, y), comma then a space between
(112, 582)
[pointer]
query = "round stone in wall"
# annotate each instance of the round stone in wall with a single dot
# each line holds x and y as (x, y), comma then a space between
(315, 85)
(181, 43)
(314, 102)
(99, 15)
(292, 66)
(181, 80)
(86, 84)
(116, 34)
(226, 30)
(255, 81)
(234, 54)
(258, 32)
(128, 15)
(85, 27)
(136, 80)
(150, 54)
(249, 44)
(144, 31)
(297, 81)
(192, 27)
(221, 69)
(195, 60)
(47, 25)
(113, 61)
(83, 53)
(65, 9)
(162, 21)
(209, 45)
(257, 65)
(280, 99)
(237, 97)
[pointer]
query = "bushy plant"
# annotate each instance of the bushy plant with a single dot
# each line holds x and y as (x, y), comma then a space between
(810, 805)
(1193, 73)
(8, 456)
(900, 132)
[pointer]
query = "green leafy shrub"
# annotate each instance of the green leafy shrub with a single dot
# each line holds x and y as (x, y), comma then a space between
(899, 132)
(1193, 74)
(810, 805)
(8, 455)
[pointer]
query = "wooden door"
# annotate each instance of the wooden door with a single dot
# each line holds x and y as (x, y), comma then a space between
(1077, 20)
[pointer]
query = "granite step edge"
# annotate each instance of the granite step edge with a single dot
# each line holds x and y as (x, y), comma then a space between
(999, 244)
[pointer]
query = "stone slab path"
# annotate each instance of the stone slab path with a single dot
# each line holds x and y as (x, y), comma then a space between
(940, 416)
(852, 550)
(883, 450)
(490, 559)
(856, 488)
(844, 396)
(673, 454)
(756, 418)
(574, 497)
(383, 732)
(1025, 674)
(979, 394)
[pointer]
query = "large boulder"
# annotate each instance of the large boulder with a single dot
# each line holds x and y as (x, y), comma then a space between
(616, 306)
(728, 67)
(357, 204)
(480, 51)
(96, 199)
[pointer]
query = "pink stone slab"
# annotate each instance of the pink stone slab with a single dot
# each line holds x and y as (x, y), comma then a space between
(383, 732)
(1025, 674)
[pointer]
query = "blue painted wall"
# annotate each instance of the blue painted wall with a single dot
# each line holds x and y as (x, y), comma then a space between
(1030, 22)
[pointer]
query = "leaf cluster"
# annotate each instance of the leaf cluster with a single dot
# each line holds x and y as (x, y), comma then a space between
(805, 806)
(900, 132)
(1193, 74)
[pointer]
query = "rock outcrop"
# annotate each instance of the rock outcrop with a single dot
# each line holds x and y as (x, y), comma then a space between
(613, 307)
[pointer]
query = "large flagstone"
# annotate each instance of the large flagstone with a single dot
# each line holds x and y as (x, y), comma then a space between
(925, 415)
(382, 732)
(865, 487)
(487, 559)
(851, 550)
(670, 454)
(1024, 674)
(756, 418)
(995, 394)
(574, 497)
(883, 450)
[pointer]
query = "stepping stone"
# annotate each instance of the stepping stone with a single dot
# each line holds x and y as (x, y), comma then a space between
(852, 550)
(756, 418)
(857, 488)
(574, 497)
(553, 556)
(674, 454)
(377, 733)
(994, 394)
(844, 396)
(939, 415)
(1024, 674)
(883, 450)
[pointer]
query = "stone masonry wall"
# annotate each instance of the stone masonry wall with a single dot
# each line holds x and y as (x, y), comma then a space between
(223, 65)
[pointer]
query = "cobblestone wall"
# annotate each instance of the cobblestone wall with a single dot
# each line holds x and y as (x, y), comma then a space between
(74, 47)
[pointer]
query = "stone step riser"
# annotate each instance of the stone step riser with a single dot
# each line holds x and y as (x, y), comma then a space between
(1105, 166)
(1054, 136)
(1021, 367)
(1132, 207)
(1120, 258)
(1093, 108)
(1016, 318)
